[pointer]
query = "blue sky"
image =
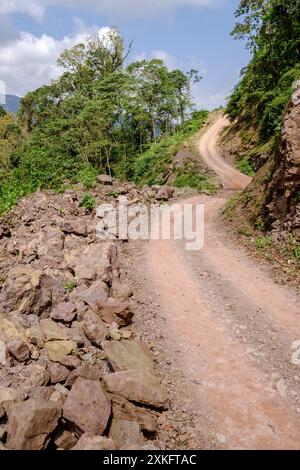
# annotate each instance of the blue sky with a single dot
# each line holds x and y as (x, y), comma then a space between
(186, 33)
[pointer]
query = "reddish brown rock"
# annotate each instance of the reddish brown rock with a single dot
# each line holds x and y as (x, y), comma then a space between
(126, 433)
(87, 407)
(19, 350)
(92, 442)
(137, 386)
(58, 373)
(117, 312)
(84, 371)
(65, 440)
(94, 328)
(128, 355)
(123, 409)
(94, 295)
(165, 193)
(75, 226)
(31, 423)
(64, 312)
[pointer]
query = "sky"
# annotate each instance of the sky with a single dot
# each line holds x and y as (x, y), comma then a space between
(185, 33)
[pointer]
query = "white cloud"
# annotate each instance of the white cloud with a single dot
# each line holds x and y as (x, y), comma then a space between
(172, 62)
(36, 8)
(30, 61)
(208, 98)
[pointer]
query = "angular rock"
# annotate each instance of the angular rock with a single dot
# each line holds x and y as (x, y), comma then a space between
(50, 242)
(93, 262)
(87, 407)
(128, 355)
(164, 194)
(58, 350)
(78, 227)
(126, 433)
(31, 423)
(8, 394)
(117, 312)
(92, 442)
(34, 375)
(121, 291)
(19, 350)
(84, 371)
(42, 393)
(64, 312)
(52, 331)
(95, 295)
(65, 440)
(123, 409)
(94, 328)
(137, 386)
(26, 291)
(9, 331)
(58, 373)
(20, 288)
(105, 179)
(35, 335)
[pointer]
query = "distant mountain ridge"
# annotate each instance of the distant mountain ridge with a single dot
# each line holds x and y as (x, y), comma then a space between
(12, 104)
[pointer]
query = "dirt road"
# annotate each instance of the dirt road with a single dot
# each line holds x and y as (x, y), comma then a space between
(229, 329)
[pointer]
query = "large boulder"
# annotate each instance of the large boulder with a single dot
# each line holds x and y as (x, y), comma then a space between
(87, 407)
(128, 355)
(31, 423)
(137, 386)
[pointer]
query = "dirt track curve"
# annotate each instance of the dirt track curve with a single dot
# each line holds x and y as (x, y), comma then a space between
(231, 326)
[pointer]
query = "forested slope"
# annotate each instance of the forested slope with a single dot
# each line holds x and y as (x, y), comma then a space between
(264, 131)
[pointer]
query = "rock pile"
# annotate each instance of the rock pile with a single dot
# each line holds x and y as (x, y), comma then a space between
(73, 373)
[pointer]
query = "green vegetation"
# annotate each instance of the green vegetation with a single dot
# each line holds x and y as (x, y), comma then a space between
(192, 175)
(245, 167)
(88, 201)
(99, 116)
(272, 31)
(153, 166)
(70, 286)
